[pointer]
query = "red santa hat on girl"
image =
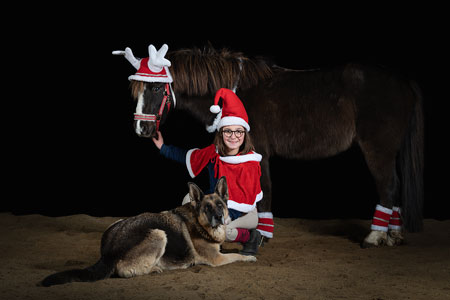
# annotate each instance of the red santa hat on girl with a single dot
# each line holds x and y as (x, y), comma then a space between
(154, 68)
(232, 113)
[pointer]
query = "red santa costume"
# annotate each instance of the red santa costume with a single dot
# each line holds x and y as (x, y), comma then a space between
(243, 174)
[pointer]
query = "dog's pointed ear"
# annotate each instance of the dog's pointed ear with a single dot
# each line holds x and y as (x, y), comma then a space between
(222, 188)
(195, 193)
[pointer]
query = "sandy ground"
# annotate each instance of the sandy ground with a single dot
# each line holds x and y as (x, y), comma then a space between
(307, 259)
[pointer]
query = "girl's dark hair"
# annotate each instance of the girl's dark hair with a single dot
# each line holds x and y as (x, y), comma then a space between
(246, 147)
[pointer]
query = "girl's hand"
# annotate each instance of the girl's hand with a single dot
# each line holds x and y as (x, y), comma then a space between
(159, 141)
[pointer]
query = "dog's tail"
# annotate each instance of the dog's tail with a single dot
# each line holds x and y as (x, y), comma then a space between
(100, 270)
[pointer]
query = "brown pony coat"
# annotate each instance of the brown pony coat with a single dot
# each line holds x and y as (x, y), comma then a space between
(310, 114)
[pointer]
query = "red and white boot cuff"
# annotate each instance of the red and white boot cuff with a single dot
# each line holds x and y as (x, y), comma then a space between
(265, 224)
(381, 218)
(395, 223)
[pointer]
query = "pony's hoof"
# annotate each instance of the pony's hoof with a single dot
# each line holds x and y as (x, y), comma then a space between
(395, 238)
(375, 239)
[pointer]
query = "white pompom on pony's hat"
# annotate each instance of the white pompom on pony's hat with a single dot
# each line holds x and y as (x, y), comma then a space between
(154, 68)
(232, 113)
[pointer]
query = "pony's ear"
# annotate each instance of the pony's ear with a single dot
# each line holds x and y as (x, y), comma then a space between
(222, 188)
(195, 193)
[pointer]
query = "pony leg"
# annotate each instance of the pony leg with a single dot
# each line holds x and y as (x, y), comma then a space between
(379, 227)
(382, 167)
(381, 219)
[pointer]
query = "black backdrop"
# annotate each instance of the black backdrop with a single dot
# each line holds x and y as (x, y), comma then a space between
(70, 143)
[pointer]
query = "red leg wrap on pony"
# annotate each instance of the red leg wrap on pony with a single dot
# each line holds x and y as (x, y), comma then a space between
(265, 224)
(381, 218)
(395, 223)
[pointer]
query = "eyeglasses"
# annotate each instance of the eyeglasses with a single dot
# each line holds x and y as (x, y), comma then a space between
(237, 133)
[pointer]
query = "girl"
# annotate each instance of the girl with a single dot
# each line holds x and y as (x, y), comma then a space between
(232, 155)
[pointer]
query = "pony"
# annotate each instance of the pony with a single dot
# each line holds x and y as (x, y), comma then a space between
(311, 114)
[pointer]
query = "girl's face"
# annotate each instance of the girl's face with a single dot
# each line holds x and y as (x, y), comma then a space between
(233, 137)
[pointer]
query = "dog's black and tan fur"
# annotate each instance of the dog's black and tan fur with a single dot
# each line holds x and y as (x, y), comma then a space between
(152, 242)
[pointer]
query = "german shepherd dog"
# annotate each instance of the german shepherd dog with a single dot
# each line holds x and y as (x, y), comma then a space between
(152, 242)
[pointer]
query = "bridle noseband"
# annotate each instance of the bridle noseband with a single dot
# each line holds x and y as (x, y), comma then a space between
(157, 118)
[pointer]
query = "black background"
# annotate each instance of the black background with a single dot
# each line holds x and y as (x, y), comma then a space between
(69, 142)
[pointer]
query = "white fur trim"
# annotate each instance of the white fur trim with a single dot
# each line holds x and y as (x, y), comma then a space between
(240, 206)
(259, 196)
(237, 159)
(226, 121)
(188, 162)
(395, 227)
(215, 109)
(379, 228)
(213, 127)
(153, 77)
(245, 208)
(266, 233)
(397, 209)
(265, 215)
(383, 209)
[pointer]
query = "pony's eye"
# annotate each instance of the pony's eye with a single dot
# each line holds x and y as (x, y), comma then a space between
(156, 88)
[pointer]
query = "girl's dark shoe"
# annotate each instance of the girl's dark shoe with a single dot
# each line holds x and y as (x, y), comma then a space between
(252, 245)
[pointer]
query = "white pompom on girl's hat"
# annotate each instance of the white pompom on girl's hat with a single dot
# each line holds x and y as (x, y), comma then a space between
(232, 113)
(154, 68)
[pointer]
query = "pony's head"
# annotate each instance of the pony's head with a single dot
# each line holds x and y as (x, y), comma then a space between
(154, 101)
(151, 88)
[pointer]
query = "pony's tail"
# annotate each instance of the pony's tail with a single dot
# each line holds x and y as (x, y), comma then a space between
(98, 271)
(411, 162)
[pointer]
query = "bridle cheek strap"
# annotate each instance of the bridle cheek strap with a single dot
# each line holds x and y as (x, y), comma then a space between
(156, 118)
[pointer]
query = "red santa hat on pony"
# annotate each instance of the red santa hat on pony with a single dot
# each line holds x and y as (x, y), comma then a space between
(232, 112)
(154, 68)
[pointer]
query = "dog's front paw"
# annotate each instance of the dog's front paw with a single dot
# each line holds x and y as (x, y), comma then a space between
(250, 258)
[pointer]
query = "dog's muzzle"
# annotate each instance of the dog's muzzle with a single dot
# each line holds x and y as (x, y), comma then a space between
(217, 220)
